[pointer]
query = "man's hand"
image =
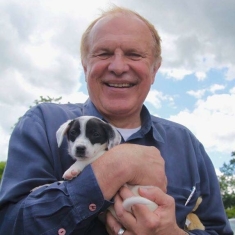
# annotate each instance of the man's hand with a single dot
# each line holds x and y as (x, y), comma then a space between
(132, 164)
(162, 221)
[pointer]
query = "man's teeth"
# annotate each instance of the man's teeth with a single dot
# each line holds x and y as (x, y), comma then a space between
(121, 85)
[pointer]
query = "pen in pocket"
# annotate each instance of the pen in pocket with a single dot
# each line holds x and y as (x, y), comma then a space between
(190, 196)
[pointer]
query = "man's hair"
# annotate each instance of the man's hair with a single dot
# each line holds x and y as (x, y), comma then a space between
(84, 48)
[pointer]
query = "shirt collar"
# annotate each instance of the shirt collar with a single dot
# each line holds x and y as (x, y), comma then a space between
(148, 126)
(90, 109)
(147, 123)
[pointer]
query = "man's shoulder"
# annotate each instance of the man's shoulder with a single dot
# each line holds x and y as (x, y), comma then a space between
(66, 106)
(165, 123)
(59, 108)
(167, 128)
(53, 112)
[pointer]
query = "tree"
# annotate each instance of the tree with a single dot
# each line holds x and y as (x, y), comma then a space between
(47, 99)
(2, 166)
(227, 186)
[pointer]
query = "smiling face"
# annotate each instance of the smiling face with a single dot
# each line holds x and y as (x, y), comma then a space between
(120, 67)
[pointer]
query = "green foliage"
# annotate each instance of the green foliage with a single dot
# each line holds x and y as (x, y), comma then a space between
(230, 212)
(2, 166)
(227, 186)
(47, 99)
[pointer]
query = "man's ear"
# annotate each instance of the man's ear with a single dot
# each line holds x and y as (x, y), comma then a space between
(84, 65)
(155, 68)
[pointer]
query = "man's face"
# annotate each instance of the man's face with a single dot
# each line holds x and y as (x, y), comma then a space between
(120, 66)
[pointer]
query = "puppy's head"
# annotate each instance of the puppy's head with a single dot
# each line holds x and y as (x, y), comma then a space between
(88, 136)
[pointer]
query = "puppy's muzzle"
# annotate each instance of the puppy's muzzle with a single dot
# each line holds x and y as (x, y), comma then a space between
(81, 151)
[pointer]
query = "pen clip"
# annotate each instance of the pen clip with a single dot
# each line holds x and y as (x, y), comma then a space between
(190, 196)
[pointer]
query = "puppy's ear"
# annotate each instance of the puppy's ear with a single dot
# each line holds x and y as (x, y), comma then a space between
(62, 131)
(113, 135)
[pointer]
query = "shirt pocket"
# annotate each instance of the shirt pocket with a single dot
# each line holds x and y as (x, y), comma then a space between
(181, 195)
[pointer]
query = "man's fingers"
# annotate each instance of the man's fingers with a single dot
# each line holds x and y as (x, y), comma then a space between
(156, 195)
(112, 225)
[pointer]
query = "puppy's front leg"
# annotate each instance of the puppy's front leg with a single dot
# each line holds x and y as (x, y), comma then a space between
(73, 171)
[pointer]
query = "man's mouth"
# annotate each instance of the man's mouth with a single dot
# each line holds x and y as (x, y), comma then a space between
(121, 85)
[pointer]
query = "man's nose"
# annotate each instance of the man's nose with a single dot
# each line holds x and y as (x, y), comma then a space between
(118, 64)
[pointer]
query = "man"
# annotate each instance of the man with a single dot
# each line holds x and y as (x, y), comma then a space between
(120, 55)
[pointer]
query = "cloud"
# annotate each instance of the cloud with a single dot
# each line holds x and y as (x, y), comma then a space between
(216, 87)
(212, 121)
(230, 74)
(156, 98)
(232, 90)
(198, 94)
(202, 40)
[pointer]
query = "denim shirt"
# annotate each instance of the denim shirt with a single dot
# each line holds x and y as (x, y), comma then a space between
(72, 207)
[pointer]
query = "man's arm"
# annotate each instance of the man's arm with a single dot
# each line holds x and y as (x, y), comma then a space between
(35, 160)
(68, 205)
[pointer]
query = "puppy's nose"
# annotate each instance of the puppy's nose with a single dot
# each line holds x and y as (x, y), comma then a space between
(80, 150)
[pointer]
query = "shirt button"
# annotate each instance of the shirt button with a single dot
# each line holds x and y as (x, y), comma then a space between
(92, 207)
(61, 231)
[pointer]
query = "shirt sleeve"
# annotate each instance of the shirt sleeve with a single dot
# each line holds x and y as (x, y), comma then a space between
(34, 160)
(211, 211)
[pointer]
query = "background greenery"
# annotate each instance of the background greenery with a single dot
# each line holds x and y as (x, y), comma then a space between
(227, 186)
(2, 166)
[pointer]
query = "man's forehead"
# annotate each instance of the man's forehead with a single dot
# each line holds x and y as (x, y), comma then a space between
(116, 26)
(118, 21)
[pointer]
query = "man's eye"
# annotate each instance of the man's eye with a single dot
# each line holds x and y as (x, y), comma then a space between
(104, 55)
(134, 56)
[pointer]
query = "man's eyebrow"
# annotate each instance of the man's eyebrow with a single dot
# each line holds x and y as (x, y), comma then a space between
(97, 49)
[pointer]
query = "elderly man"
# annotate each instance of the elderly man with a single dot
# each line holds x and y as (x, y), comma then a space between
(120, 54)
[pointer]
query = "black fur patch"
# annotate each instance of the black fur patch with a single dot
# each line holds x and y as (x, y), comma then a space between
(96, 131)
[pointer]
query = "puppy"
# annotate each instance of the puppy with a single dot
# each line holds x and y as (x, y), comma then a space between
(88, 138)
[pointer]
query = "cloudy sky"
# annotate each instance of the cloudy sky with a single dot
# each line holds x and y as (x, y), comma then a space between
(195, 86)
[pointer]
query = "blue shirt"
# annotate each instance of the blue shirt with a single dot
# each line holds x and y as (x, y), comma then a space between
(73, 206)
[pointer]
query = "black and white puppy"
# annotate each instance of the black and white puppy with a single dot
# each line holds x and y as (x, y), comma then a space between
(88, 138)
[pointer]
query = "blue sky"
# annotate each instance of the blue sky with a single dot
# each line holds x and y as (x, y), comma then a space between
(195, 86)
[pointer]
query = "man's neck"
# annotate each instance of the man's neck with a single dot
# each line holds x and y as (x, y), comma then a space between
(125, 122)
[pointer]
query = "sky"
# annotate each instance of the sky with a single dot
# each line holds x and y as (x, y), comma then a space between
(195, 86)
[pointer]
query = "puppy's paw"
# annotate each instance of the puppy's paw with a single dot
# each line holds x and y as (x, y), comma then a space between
(70, 174)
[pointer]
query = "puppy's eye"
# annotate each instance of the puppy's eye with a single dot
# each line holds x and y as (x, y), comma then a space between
(73, 133)
(96, 134)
